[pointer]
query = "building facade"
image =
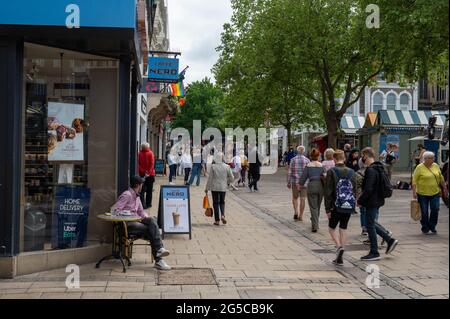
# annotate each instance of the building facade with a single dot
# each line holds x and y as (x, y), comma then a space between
(69, 78)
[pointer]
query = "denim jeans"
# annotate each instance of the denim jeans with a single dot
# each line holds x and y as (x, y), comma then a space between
(373, 228)
(172, 172)
(147, 229)
(196, 170)
(429, 205)
(362, 217)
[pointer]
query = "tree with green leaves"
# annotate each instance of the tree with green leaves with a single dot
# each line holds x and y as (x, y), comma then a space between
(204, 103)
(326, 52)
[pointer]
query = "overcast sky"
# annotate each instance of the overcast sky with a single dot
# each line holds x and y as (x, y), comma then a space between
(194, 30)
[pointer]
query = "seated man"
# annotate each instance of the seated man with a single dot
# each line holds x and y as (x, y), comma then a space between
(148, 227)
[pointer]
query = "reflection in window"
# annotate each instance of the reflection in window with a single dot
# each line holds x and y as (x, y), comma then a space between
(404, 102)
(391, 101)
(377, 102)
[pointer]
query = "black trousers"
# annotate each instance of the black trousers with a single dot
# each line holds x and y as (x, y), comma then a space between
(218, 204)
(253, 178)
(148, 229)
(147, 192)
(187, 171)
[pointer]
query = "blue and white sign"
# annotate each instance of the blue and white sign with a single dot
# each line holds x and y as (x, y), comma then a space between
(174, 210)
(67, 13)
(69, 227)
(163, 70)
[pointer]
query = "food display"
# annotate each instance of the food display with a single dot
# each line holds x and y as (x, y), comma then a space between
(78, 124)
(52, 140)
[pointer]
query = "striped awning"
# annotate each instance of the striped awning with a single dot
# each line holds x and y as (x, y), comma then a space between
(350, 124)
(409, 118)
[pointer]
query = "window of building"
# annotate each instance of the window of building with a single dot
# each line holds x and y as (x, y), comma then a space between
(391, 101)
(377, 104)
(440, 94)
(69, 161)
(423, 89)
(404, 102)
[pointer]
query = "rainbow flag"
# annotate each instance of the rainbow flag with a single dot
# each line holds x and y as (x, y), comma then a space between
(177, 89)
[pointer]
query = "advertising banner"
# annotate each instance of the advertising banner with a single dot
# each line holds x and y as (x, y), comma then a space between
(98, 13)
(160, 167)
(69, 227)
(391, 138)
(163, 70)
(65, 132)
(174, 216)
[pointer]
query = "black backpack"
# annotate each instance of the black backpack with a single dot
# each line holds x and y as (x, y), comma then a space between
(385, 186)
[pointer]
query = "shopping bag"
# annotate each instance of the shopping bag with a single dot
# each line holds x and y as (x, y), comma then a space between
(209, 212)
(416, 214)
(206, 202)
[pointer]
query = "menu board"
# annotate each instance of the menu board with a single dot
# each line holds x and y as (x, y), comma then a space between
(174, 214)
(65, 124)
(160, 167)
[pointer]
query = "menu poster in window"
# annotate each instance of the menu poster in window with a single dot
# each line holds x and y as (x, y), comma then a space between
(69, 227)
(174, 210)
(65, 123)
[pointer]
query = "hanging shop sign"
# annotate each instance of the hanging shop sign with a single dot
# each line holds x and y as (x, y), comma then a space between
(69, 227)
(70, 14)
(163, 70)
(174, 212)
(150, 87)
(65, 124)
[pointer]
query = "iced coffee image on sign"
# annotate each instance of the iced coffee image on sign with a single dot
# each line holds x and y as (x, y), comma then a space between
(176, 218)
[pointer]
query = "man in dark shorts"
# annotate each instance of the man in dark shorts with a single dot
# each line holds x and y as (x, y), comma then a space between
(338, 218)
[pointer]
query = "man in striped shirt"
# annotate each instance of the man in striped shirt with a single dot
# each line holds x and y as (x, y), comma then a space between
(295, 172)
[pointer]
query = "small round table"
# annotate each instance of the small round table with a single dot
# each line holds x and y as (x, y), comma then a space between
(119, 229)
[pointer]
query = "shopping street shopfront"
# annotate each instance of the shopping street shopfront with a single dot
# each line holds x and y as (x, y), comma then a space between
(66, 103)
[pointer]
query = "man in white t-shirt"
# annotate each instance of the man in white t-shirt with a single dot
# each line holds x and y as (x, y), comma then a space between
(236, 167)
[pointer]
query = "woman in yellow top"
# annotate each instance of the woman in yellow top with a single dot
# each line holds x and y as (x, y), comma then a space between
(426, 183)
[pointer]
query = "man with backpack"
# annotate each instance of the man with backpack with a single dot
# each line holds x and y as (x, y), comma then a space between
(340, 202)
(376, 188)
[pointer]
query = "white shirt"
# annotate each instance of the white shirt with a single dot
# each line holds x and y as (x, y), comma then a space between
(237, 164)
(186, 161)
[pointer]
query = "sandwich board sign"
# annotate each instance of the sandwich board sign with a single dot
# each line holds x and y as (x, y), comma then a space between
(174, 211)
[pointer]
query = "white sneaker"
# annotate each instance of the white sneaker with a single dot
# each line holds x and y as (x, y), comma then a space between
(162, 252)
(171, 183)
(162, 265)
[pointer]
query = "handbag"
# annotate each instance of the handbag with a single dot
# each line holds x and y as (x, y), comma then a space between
(443, 190)
(208, 209)
(416, 214)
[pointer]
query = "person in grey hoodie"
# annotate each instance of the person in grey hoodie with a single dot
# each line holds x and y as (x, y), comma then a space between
(220, 176)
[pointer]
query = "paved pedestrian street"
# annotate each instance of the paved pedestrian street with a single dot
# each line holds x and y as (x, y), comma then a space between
(263, 253)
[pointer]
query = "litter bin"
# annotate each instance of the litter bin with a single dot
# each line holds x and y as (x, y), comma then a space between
(34, 230)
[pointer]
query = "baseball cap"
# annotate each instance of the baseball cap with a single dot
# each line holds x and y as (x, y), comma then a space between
(136, 180)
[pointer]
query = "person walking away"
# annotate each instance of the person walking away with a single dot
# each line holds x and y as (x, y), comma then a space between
(340, 202)
(328, 163)
(196, 167)
(353, 160)
(254, 171)
(347, 151)
(389, 158)
(290, 155)
(236, 169)
(244, 167)
(418, 155)
(146, 170)
(186, 165)
(375, 188)
(295, 172)
(220, 175)
(314, 173)
(172, 162)
(427, 183)
(147, 227)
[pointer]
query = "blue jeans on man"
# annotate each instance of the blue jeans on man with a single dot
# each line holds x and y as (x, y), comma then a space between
(373, 228)
(429, 206)
(196, 170)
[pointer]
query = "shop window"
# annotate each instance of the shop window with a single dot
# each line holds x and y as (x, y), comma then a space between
(377, 102)
(391, 101)
(62, 138)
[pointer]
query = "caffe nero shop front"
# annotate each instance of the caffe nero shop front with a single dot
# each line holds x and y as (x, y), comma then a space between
(67, 95)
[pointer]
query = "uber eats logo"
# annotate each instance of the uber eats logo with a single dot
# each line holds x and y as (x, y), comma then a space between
(73, 19)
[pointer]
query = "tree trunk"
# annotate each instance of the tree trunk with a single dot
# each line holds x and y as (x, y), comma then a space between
(332, 127)
(289, 137)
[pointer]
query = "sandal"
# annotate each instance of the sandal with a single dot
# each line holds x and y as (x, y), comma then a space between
(224, 221)
(295, 217)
